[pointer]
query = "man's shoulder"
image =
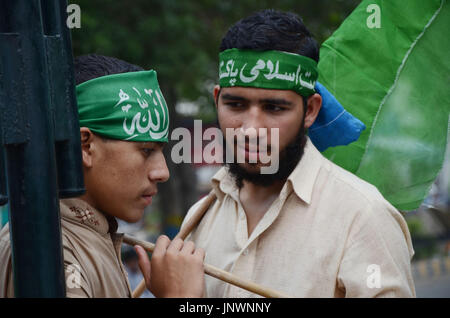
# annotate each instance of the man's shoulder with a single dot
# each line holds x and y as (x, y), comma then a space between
(194, 208)
(354, 199)
(362, 205)
(347, 183)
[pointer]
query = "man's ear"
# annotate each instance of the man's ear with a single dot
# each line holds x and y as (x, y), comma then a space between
(87, 146)
(216, 92)
(314, 105)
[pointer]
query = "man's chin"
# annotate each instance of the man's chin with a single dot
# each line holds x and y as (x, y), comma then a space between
(253, 168)
(248, 172)
(132, 216)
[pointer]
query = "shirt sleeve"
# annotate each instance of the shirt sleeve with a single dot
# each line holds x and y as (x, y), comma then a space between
(377, 257)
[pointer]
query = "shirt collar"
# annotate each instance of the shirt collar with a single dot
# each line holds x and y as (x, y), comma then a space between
(223, 183)
(305, 173)
(301, 180)
(81, 212)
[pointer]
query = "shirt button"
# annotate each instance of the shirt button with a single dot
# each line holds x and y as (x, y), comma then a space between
(246, 251)
(242, 216)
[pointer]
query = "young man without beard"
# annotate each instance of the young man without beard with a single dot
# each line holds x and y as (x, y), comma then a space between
(311, 229)
(124, 126)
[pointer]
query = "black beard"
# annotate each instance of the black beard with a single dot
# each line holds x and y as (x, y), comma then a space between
(289, 158)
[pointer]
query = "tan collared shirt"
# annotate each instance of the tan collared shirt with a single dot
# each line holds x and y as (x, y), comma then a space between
(91, 250)
(328, 234)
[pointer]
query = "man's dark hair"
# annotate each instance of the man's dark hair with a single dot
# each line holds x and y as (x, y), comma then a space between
(90, 66)
(272, 30)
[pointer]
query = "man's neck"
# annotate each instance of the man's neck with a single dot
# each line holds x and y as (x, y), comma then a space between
(256, 201)
(86, 198)
(259, 193)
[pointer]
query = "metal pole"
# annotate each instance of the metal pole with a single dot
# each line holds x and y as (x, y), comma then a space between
(3, 186)
(63, 101)
(30, 153)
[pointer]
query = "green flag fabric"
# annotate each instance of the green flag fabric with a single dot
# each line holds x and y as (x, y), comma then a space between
(389, 65)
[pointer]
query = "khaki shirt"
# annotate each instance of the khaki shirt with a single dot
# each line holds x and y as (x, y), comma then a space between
(91, 254)
(328, 234)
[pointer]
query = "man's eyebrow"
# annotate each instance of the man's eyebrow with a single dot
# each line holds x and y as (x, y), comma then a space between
(157, 144)
(275, 101)
(232, 97)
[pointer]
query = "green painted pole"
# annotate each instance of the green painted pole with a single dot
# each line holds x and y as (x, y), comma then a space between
(64, 110)
(3, 186)
(27, 131)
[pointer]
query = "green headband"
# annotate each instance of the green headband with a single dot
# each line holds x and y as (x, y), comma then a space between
(126, 106)
(268, 69)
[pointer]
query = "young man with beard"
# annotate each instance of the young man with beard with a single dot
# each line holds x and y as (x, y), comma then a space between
(123, 163)
(311, 229)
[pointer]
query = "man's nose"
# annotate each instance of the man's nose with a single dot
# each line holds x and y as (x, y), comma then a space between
(254, 118)
(158, 170)
(253, 122)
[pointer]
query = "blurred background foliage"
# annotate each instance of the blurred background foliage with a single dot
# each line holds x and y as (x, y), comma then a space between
(180, 39)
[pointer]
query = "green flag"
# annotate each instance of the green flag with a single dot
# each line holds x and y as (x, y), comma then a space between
(389, 65)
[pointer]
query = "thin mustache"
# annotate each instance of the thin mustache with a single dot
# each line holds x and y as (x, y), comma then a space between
(150, 193)
(246, 145)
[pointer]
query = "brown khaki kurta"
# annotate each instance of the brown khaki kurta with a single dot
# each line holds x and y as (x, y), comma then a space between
(328, 234)
(91, 254)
